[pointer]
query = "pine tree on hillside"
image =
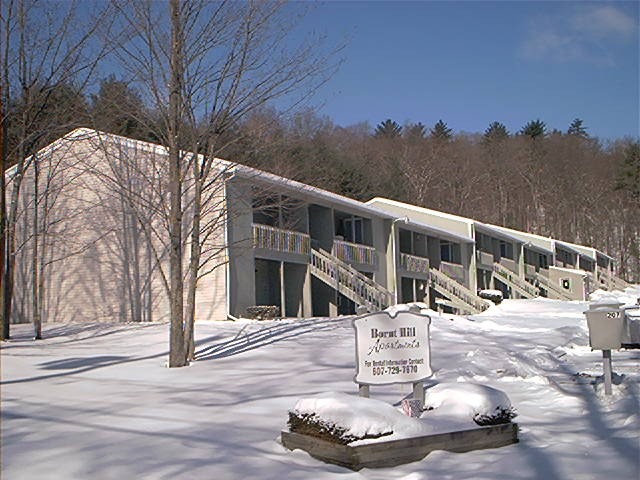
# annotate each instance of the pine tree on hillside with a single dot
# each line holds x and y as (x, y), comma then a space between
(388, 129)
(496, 132)
(441, 131)
(577, 128)
(117, 108)
(534, 129)
(628, 178)
(415, 131)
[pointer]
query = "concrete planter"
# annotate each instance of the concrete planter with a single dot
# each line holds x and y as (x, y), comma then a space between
(397, 452)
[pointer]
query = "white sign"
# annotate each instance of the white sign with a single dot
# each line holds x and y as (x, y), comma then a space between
(392, 349)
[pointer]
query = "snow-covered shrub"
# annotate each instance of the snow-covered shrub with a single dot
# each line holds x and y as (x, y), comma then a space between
(345, 418)
(314, 426)
(482, 404)
(493, 295)
(499, 416)
(263, 312)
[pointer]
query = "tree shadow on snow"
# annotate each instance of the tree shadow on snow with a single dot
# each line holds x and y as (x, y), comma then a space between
(246, 341)
(75, 366)
(626, 448)
(67, 333)
(81, 362)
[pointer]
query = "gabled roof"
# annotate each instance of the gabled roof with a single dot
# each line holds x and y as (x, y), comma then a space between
(445, 222)
(438, 232)
(572, 248)
(308, 191)
(536, 242)
(420, 218)
(496, 232)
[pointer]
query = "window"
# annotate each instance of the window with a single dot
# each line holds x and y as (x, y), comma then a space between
(506, 249)
(544, 261)
(353, 231)
(450, 252)
(405, 241)
(484, 243)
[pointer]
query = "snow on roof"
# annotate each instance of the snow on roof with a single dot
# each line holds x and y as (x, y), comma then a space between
(375, 206)
(238, 169)
(77, 134)
(307, 190)
(424, 210)
(444, 223)
(583, 250)
(439, 232)
(587, 251)
(531, 240)
(570, 270)
(485, 227)
(567, 247)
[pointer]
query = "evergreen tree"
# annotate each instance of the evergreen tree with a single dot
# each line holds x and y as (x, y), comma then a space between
(441, 131)
(576, 128)
(116, 108)
(415, 131)
(534, 129)
(52, 111)
(628, 178)
(496, 132)
(388, 129)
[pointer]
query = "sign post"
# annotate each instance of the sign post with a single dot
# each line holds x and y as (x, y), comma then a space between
(392, 350)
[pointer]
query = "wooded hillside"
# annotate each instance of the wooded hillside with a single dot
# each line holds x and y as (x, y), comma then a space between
(566, 185)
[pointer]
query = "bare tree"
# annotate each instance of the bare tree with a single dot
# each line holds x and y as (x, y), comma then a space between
(47, 51)
(204, 66)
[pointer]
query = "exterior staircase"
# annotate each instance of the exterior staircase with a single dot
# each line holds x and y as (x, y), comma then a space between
(512, 280)
(459, 296)
(552, 290)
(611, 282)
(363, 291)
(349, 282)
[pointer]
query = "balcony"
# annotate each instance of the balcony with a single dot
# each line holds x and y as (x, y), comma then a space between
(354, 253)
(510, 264)
(413, 263)
(280, 240)
(484, 258)
(529, 270)
(454, 271)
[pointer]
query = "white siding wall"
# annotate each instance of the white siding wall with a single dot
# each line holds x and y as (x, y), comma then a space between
(101, 265)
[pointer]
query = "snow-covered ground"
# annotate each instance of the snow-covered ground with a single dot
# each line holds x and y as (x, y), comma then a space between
(95, 401)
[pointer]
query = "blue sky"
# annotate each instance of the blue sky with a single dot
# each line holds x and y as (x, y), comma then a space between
(472, 63)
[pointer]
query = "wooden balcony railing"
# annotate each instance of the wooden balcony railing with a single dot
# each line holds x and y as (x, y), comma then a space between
(453, 270)
(354, 253)
(509, 264)
(413, 263)
(280, 240)
(484, 258)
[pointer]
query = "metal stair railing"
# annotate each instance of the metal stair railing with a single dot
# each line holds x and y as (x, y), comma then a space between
(512, 280)
(349, 281)
(458, 294)
(551, 288)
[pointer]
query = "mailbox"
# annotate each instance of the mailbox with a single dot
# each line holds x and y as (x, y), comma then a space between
(606, 326)
(631, 332)
(605, 304)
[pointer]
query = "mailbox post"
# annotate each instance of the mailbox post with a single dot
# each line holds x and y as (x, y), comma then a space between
(606, 323)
